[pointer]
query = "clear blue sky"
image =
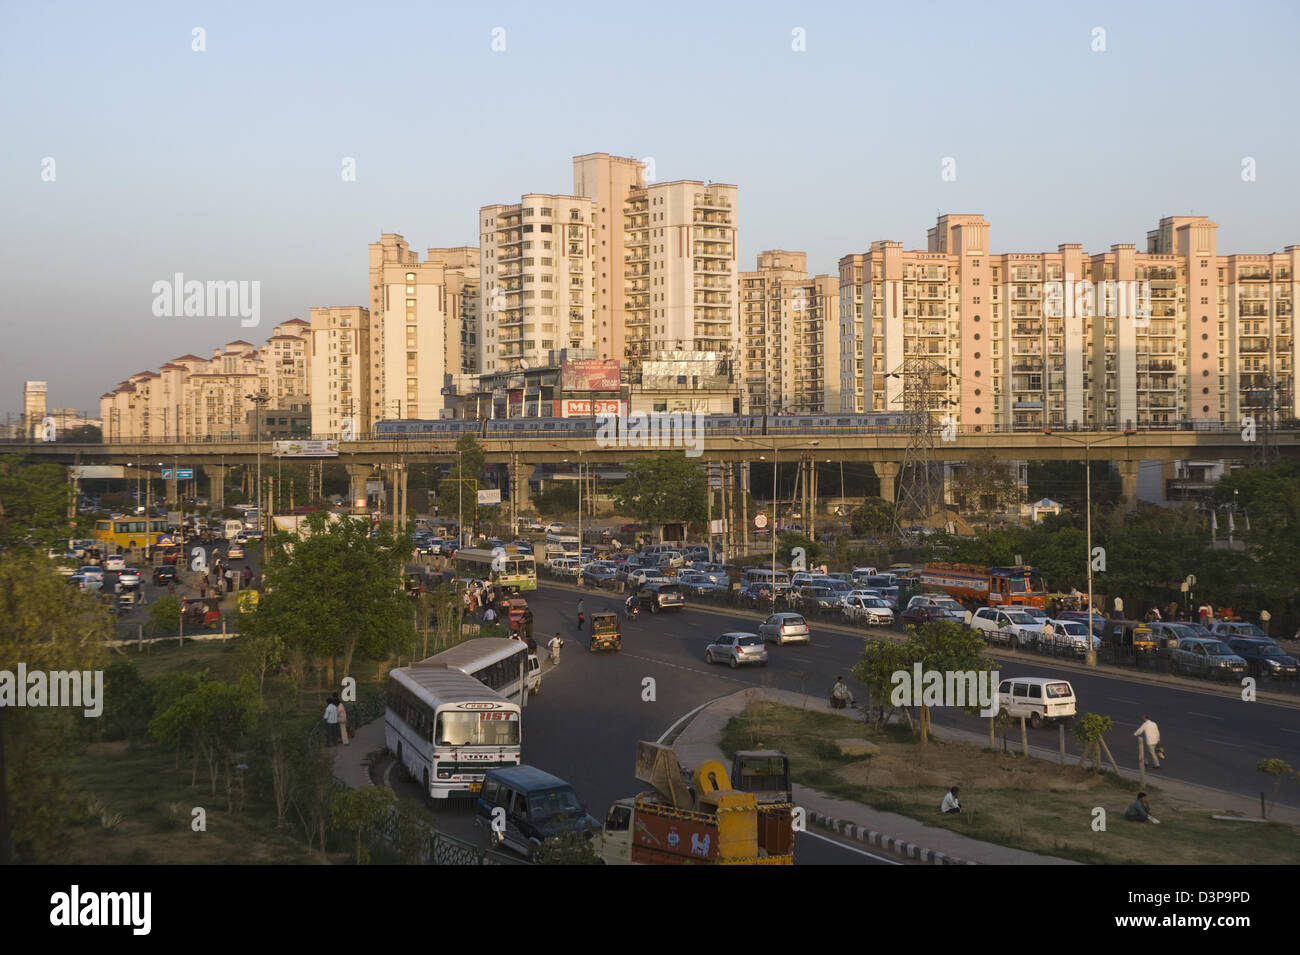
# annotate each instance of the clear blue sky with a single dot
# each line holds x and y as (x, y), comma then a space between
(226, 164)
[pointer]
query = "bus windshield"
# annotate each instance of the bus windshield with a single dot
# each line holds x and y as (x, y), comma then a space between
(477, 729)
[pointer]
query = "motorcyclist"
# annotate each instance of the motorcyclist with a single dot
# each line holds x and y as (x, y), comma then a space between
(633, 605)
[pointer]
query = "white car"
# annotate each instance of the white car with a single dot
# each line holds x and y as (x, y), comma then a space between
(114, 562)
(872, 611)
(565, 566)
(1003, 625)
(804, 577)
(643, 575)
(555, 527)
(947, 606)
(91, 571)
(1071, 636)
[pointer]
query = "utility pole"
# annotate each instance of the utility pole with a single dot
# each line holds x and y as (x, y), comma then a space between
(259, 401)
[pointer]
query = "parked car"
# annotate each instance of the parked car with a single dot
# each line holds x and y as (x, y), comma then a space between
(1265, 660)
(556, 527)
(640, 576)
(785, 628)
(871, 611)
(1071, 636)
(999, 625)
(806, 577)
(818, 598)
(1227, 629)
(564, 567)
(921, 614)
(599, 572)
(1098, 618)
(1198, 656)
(948, 608)
(718, 573)
(1169, 634)
(671, 559)
(693, 582)
(737, 648)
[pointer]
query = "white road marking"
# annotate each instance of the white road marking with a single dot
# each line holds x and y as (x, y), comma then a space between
(1205, 715)
(1287, 729)
(1221, 742)
(863, 852)
(1116, 699)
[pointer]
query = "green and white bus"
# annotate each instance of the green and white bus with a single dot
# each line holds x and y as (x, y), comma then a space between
(501, 566)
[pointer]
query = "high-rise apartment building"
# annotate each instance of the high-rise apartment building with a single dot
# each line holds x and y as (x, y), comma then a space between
(34, 407)
(340, 370)
(788, 326)
(416, 314)
(681, 269)
(1052, 339)
(538, 287)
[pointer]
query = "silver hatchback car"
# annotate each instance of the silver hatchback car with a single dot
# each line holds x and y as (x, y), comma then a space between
(737, 648)
(785, 628)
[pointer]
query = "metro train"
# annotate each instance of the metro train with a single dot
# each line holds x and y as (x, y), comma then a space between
(718, 425)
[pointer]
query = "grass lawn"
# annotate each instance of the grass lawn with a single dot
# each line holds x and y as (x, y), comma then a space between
(1009, 800)
(155, 800)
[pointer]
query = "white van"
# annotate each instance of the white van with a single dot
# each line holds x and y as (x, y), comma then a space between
(1039, 698)
(232, 529)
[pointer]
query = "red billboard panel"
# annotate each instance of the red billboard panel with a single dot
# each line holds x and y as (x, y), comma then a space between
(589, 374)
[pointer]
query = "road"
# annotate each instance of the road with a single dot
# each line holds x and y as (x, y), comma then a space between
(1212, 740)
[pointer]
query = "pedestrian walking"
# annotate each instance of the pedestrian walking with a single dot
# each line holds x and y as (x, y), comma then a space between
(230, 580)
(342, 712)
(1150, 734)
(247, 575)
(554, 646)
(582, 612)
(331, 722)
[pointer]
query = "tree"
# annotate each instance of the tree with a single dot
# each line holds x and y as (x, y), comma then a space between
(212, 718)
(985, 486)
(875, 518)
(572, 847)
(665, 488)
(83, 434)
(34, 502)
(940, 647)
(1089, 732)
(1278, 769)
(48, 626)
(339, 592)
(165, 615)
(363, 812)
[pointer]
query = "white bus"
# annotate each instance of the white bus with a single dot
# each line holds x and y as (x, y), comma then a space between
(494, 662)
(446, 729)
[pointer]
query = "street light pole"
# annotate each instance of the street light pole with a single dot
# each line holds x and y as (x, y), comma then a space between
(774, 505)
(1090, 654)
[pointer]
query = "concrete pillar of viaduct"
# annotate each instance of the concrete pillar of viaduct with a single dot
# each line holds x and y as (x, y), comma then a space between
(216, 483)
(888, 472)
(1128, 476)
(357, 476)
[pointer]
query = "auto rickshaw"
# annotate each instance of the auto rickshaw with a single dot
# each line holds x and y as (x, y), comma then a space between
(200, 612)
(604, 632)
(517, 617)
(247, 600)
(414, 585)
(1128, 637)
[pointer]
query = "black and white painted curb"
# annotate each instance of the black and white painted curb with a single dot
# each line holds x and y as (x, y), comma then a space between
(882, 841)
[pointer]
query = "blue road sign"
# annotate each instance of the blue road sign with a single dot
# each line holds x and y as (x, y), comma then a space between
(185, 474)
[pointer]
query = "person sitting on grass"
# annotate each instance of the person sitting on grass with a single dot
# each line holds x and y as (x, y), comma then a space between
(950, 803)
(1140, 811)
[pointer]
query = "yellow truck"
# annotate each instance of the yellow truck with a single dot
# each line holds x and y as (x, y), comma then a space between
(697, 819)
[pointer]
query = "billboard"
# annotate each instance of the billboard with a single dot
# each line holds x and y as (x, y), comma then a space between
(490, 497)
(100, 471)
(589, 374)
(584, 407)
(305, 449)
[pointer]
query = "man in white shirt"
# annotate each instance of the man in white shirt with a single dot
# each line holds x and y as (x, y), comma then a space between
(950, 803)
(331, 723)
(554, 646)
(1150, 734)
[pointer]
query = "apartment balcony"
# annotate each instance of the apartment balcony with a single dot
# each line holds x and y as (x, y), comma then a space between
(1265, 275)
(707, 203)
(511, 255)
(1022, 330)
(513, 238)
(712, 250)
(636, 258)
(711, 218)
(1031, 293)
(932, 292)
(1025, 275)
(704, 268)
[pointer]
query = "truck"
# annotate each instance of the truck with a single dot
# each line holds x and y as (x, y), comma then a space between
(698, 818)
(977, 586)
